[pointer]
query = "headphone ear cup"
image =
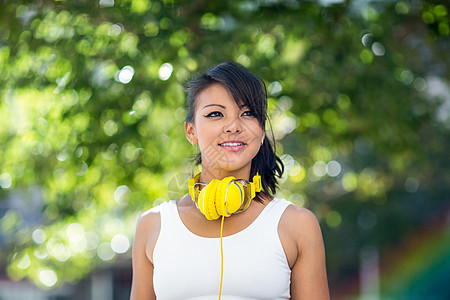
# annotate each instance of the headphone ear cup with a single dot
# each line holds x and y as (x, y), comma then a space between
(207, 200)
(230, 196)
(222, 196)
(235, 197)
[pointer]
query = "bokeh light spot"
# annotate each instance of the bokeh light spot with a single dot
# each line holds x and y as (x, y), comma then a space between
(92, 240)
(114, 30)
(333, 168)
(125, 75)
(165, 71)
(297, 173)
(110, 127)
(333, 219)
(420, 84)
(105, 252)
(319, 168)
(58, 250)
(428, 17)
(24, 262)
(412, 184)
(121, 194)
(366, 56)
(120, 243)
(366, 39)
(5, 181)
(106, 3)
(75, 232)
(275, 88)
(349, 181)
(406, 76)
(39, 236)
(402, 8)
(47, 277)
(378, 49)
(40, 253)
(211, 22)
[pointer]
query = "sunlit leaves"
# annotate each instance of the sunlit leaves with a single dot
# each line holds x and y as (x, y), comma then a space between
(437, 15)
(92, 112)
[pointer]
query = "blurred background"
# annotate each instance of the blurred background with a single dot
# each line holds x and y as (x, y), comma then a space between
(91, 133)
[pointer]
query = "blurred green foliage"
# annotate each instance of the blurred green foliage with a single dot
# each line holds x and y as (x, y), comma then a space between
(92, 111)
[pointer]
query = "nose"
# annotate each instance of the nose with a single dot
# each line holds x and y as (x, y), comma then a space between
(234, 126)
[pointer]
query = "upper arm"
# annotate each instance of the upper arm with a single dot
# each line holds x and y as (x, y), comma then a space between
(308, 273)
(147, 231)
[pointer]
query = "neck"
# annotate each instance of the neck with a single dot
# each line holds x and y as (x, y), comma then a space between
(210, 174)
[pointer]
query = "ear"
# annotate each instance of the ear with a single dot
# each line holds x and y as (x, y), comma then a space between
(189, 131)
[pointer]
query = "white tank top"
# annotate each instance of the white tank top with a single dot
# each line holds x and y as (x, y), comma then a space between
(187, 266)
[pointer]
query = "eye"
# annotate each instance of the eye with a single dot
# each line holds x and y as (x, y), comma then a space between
(214, 114)
(249, 113)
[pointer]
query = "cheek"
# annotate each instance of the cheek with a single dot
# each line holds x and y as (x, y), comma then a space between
(256, 131)
(207, 137)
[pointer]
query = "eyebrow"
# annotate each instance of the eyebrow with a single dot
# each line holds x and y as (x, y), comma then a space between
(208, 105)
(221, 106)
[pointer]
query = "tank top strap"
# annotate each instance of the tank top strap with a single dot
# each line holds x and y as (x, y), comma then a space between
(279, 206)
(169, 217)
(271, 215)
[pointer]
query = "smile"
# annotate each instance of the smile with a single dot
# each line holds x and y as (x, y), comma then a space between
(232, 144)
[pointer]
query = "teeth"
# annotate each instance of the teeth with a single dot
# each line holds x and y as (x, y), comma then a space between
(232, 144)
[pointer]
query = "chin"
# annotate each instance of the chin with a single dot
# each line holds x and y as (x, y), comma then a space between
(232, 166)
(230, 163)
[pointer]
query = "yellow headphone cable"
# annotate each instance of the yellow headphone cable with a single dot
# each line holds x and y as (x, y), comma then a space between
(221, 256)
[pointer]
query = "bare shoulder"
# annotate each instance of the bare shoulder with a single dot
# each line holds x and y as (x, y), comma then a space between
(148, 226)
(297, 215)
(149, 218)
(300, 223)
(147, 232)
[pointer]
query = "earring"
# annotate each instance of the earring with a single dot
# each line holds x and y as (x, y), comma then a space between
(262, 141)
(192, 143)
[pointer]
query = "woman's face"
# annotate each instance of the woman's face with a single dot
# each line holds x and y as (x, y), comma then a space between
(229, 136)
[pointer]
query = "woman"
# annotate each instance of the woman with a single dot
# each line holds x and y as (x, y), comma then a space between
(271, 248)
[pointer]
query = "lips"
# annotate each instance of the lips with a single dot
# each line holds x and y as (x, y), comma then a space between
(232, 145)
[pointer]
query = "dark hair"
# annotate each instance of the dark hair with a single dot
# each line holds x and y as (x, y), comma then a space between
(246, 88)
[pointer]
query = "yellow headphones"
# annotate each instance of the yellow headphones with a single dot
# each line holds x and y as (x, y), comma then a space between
(223, 197)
